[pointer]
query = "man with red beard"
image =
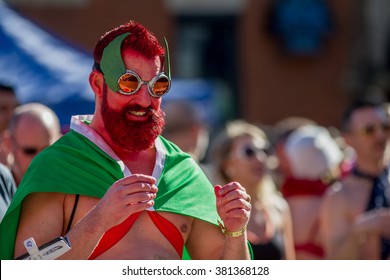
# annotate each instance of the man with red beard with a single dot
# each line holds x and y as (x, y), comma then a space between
(113, 187)
(356, 214)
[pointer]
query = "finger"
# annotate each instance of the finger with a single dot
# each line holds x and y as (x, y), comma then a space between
(230, 187)
(139, 197)
(217, 190)
(235, 194)
(137, 187)
(237, 213)
(235, 204)
(140, 206)
(134, 178)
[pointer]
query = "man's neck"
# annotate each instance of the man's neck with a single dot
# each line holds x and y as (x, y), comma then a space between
(136, 161)
(139, 162)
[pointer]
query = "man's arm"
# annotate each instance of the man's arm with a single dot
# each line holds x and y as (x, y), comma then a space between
(341, 240)
(344, 235)
(42, 215)
(207, 241)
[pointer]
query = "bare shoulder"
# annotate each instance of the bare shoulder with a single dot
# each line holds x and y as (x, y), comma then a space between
(41, 203)
(206, 241)
(336, 194)
(41, 217)
(341, 193)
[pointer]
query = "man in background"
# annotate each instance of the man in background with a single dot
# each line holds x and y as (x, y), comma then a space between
(7, 189)
(356, 214)
(185, 127)
(32, 128)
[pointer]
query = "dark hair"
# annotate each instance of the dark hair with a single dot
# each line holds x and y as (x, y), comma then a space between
(140, 39)
(8, 88)
(355, 105)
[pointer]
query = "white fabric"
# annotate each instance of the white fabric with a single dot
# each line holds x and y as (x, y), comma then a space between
(312, 152)
(78, 125)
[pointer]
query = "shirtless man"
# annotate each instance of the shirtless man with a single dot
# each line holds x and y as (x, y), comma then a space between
(356, 213)
(114, 186)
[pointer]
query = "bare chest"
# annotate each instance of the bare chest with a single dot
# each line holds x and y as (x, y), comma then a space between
(144, 240)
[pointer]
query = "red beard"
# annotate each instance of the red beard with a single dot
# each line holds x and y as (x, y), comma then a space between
(132, 136)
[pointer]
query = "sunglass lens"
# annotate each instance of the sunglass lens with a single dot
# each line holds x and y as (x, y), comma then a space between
(30, 151)
(128, 83)
(386, 127)
(369, 130)
(161, 86)
(249, 152)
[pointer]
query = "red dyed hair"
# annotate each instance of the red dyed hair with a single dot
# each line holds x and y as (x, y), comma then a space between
(140, 39)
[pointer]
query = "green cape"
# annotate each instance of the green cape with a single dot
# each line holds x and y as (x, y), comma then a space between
(75, 165)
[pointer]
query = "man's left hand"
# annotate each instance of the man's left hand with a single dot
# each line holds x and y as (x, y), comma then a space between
(233, 206)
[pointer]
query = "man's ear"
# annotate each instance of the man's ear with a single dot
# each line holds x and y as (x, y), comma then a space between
(96, 80)
(7, 143)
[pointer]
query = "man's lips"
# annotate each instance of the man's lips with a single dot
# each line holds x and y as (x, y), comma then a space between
(137, 113)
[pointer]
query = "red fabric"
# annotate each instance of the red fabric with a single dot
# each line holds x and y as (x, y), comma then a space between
(169, 230)
(310, 248)
(116, 233)
(113, 235)
(292, 187)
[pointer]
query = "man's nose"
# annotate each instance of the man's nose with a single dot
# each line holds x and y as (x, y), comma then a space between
(143, 97)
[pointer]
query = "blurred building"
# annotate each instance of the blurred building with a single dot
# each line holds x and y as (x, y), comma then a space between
(233, 43)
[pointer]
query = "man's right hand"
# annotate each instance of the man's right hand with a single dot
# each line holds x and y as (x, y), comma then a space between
(126, 196)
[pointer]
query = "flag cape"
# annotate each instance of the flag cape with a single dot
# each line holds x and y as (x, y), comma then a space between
(75, 165)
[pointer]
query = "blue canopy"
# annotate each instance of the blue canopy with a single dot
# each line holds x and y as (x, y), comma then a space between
(43, 68)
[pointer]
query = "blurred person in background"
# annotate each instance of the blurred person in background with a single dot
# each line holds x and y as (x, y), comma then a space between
(355, 217)
(238, 153)
(282, 130)
(314, 160)
(8, 103)
(7, 189)
(32, 128)
(184, 127)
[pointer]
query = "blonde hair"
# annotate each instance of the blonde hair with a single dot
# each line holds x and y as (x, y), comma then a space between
(221, 148)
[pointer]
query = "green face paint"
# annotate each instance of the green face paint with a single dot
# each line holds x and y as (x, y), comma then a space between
(168, 59)
(111, 63)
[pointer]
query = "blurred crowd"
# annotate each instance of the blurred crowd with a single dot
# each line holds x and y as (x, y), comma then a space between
(25, 131)
(317, 192)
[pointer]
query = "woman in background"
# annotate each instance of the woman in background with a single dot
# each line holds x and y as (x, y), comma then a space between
(238, 154)
(314, 159)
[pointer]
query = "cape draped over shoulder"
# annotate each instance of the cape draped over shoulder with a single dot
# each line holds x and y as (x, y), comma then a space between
(75, 165)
